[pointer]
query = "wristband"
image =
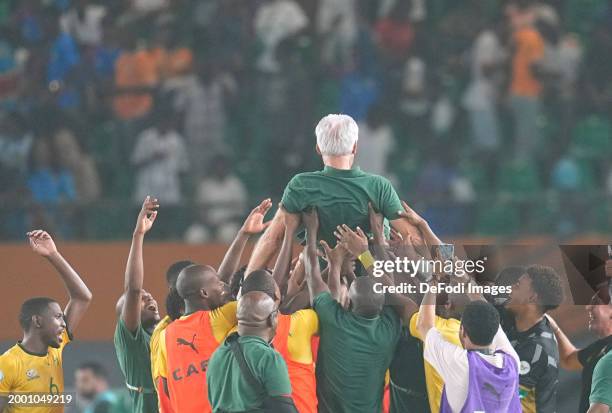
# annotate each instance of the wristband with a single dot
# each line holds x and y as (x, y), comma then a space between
(366, 259)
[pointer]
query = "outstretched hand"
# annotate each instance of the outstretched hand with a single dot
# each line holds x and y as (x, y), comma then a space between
(41, 243)
(146, 216)
(376, 225)
(412, 217)
(355, 242)
(253, 224)
(335, 257)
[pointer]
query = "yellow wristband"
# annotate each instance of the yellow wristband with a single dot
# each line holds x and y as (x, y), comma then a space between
(366, 259)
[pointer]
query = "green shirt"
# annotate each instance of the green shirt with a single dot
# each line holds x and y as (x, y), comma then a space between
(134, 356)
(354, 354)
(601, 389)
(227, 387)
(341, 197)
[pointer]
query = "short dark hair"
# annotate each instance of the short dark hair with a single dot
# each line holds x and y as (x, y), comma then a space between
(96, 368)
(547, 285)
(480, 322)
(510, 275)
(259, 280)
(174, 270)
(33, 306)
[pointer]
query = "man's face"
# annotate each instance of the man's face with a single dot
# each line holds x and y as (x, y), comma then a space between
(522, 293)
(52, 325)
(600, 317)
(149, 314)
(218, 293)
(86, 384)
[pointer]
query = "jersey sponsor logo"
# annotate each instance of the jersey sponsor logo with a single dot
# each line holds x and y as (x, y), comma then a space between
(181, 373)
(524, 368)
(190, 344)
(32, 374)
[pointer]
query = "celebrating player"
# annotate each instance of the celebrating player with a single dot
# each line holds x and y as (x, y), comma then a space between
(138, 317)
(34, 365)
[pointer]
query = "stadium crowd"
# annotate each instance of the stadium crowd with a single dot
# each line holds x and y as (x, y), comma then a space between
(287, 334)
(495, 114)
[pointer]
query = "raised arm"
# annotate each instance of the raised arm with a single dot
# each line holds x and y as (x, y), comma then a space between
(335, 258)
(80, 296)
(427, 312)
(134, 270)
(315, 282)
(283, 261)
(568, 354)
(253, 224)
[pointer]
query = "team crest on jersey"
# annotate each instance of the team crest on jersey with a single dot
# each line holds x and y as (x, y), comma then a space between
(32, 374)
(525, 368)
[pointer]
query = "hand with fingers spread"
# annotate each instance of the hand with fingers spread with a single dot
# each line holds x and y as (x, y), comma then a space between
(42, 243)
(147, 216)
(355, 242)
(253, 224)
(335, 257)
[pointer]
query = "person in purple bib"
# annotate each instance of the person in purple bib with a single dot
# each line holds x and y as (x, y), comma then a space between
(480, 377)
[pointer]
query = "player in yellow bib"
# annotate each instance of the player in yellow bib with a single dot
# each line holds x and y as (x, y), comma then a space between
(34, 364)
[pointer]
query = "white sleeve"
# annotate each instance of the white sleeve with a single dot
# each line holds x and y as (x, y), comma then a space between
(449, 360)
(501, 342)
(144, 147)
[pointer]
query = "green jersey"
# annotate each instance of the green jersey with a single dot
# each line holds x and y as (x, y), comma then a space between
(601, 388)
(134, 356)
(341, 197)
(229, 390)
(354, 354)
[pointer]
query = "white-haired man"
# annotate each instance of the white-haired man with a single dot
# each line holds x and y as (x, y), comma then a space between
(340, 192)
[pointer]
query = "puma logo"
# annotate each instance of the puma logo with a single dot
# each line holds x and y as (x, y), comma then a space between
(183, 342)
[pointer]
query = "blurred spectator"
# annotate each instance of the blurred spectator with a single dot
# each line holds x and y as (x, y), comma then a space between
(221, 200)
(160, 158)
(275, 20)
(63, 76)
(337, 26)
(80, 164)
(375, 143)
(48, 181)
(83, 21)
(415, 100)
(202, 99)
(359, 90)
(525, 88)
(10, 70)
(93, 392)
(136, 77)
(394, 32)
(483, 92)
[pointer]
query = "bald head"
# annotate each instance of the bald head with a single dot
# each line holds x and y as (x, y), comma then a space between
(254, 309)
(201, 289)
(364, 301)
(194, 278)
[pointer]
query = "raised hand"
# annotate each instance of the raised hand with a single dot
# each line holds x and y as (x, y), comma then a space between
(355, 242)
(335, 257)
(253, 224)
(42, 243)
(146, 216)
(412, 217)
